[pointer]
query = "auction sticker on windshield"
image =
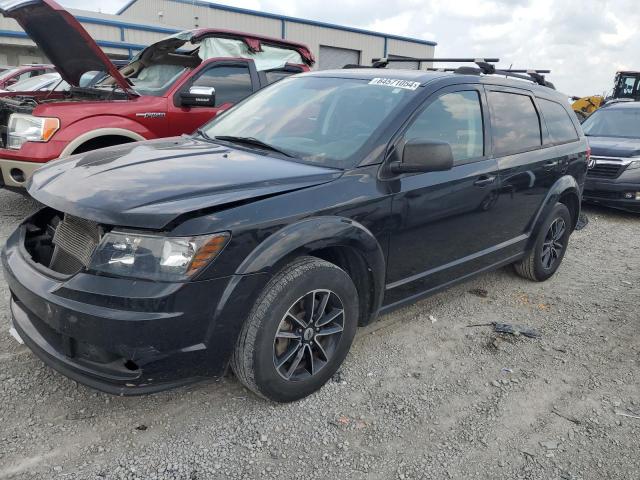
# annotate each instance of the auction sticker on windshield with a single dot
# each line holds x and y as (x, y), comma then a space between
(395, 83)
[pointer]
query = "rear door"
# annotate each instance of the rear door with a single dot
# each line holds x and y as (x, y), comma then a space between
(233, 80)
(527, 169)
(444, 222)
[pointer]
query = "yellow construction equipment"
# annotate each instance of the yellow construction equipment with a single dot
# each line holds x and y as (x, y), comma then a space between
(626, 86)
(585, 106)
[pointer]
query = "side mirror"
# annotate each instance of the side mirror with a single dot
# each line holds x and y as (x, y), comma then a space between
(421, 156)
(198, 97)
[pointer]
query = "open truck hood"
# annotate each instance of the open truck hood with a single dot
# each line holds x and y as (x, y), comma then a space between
(62, 39)
(150, 184)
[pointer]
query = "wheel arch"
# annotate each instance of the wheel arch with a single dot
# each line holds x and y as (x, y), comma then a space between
(338, 240)
(100, 133)
(565, 190)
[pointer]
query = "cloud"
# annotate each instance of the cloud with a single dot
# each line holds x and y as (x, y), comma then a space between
(583, 42)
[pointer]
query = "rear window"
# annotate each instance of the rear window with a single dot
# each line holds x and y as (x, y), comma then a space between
(278, 74)
(561, 129)
(515, 123)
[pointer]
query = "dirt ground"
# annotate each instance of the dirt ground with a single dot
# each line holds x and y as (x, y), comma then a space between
(421, 396)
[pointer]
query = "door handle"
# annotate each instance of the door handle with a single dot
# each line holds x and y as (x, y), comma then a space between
(484, 180)
(552, 164)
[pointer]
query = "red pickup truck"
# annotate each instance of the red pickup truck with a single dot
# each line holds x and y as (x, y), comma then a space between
(170, 88)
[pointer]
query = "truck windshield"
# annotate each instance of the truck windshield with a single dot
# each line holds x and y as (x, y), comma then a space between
(316, 119)
(618, 122)
(152, 80)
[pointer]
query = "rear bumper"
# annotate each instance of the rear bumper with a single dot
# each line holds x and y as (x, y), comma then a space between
(123, 336)
(14, 173)
(611, 192)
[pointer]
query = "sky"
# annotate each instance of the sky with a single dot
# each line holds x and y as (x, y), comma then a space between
(582, 42)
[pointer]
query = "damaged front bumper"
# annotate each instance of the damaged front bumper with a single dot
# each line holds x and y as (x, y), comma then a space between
(125, 336)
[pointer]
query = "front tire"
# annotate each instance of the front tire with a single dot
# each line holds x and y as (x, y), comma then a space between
(545, 257)
(298, 332)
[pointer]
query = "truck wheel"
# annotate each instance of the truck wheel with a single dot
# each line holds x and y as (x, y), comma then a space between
(298, 332)
(551, 244)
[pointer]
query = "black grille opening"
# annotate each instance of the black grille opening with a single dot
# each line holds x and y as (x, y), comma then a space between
(603, 194)
(605, 170)
(61, 242)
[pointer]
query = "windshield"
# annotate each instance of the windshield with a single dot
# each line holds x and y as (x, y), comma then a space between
(153, 80)
(316, 119)
(618, 122)
(628, 86)
(34, 83)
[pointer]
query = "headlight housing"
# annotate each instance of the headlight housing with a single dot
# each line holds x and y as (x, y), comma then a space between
(634, 164)
(27, 128)
(156, 257)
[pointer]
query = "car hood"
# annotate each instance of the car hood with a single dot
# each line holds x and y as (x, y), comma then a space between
(614, 147)
(62, 39)
(150, 184)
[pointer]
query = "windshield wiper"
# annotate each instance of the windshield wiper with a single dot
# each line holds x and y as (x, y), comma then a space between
(252, 141)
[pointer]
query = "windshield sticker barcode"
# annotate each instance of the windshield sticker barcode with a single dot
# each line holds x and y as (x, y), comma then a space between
(395, 82)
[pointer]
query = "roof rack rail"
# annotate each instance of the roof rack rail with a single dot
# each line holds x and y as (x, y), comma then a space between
(533, 72)
(383, 62)
(484, 66)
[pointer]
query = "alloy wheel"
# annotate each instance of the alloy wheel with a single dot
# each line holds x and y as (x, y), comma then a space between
(553, 244)
(308, 335)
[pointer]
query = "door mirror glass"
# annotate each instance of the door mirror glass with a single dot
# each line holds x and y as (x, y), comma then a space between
(424, 156)
(198, 97)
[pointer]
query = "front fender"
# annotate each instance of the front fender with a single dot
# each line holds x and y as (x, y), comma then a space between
(313, 234)
(565, 185)
(99, 126)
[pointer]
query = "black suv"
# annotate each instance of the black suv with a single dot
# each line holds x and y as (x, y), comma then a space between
(265, 239)
(614, 137)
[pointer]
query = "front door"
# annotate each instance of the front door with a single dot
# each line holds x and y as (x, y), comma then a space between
(444, 221)
(233, 80)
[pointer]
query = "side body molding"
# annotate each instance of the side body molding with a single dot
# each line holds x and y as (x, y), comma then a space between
(317, 233)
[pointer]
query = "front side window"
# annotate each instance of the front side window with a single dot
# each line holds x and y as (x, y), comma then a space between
(561, 129)
(231, 82)
(322, 120)
(514, 122)
(455, 118)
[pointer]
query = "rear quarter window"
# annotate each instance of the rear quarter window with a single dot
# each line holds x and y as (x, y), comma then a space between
(515, 123)
(559, 124)
(276, 75)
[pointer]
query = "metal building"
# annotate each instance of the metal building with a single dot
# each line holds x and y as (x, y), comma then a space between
(141, 22)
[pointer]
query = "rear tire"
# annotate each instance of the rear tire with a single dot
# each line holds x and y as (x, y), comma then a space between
(545, 257)
(295, 338)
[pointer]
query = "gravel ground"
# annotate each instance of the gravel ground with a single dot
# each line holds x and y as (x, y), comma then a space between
(420, 396)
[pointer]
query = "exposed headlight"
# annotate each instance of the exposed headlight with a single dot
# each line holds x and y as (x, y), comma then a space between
(27, 128)
(634, 164)
(156, 257)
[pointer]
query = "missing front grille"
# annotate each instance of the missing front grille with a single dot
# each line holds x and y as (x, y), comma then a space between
(74, 240)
